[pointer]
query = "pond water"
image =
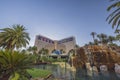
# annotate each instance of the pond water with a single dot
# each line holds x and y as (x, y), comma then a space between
(58, 72)
(80, 74)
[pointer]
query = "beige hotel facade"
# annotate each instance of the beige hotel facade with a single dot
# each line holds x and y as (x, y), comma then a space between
(65, 44)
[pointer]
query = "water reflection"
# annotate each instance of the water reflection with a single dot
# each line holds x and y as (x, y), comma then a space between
(80, 74)
(58, 72)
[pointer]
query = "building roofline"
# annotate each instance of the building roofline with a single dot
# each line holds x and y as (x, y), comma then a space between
(56, 40)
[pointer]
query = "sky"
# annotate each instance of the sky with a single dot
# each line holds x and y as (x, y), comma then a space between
(57, 19)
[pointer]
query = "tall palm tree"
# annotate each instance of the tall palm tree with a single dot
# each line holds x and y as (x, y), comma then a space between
(111, 39)
(103, 38)
(30, 49)
(114, 17)
(14, 62)
(100, 39)
(93, 35)
(15, 37)
(96, 41)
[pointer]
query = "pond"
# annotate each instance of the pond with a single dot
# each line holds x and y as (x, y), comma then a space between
(80, 74)
(58, 72)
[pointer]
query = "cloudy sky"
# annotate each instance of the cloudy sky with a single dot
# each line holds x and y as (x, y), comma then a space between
(57, 19)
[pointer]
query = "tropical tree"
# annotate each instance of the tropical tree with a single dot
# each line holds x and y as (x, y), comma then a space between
(111, 39)
(114, 17)
(90, 43)
(34, 48)
(30, 49)
(117, 31)
(14, 62)
(15, 37)
(93, 35)
(103, 38)
(100, 39)
(44, 51)
(118, 37)
(62, 51)
(96, 41)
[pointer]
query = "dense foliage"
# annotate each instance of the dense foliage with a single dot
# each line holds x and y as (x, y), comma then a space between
(114, 17)
(14, 38)
(12, 62)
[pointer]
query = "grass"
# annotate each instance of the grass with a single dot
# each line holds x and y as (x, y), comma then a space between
(39, 73)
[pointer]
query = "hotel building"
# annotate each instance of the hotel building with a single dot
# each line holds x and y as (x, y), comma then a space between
(65, 44)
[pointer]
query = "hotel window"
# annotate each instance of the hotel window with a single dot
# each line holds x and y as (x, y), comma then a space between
(46, 40)
(43, 39)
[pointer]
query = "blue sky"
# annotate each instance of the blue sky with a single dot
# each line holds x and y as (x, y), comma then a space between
(57, 19)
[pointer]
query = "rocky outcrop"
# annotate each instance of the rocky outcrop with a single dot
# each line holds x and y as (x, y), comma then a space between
(96, 56)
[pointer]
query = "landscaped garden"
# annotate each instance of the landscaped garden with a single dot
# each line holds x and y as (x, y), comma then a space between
(15, 63)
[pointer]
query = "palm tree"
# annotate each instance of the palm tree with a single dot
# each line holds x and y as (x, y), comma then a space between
(14, 62)
(103, 38)
(34, 49)
(111, 39)
(117, 31)
(99, 36)
(14, 38)
(96, 42)
(114, 17)
(90, 43)
(44, 51)
(118, 37)
(93, 35)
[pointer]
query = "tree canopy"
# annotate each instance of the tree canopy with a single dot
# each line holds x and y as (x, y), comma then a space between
(15, 37)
